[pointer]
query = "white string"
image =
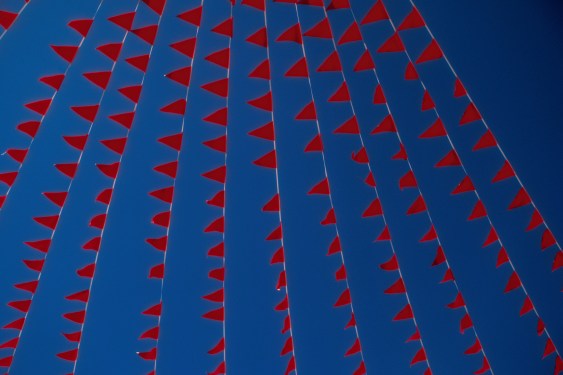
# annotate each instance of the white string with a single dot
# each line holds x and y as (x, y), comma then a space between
(18, 14)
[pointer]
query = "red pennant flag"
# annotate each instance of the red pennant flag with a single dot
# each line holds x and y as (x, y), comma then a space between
(376, 13)
(218, 348)
(267, 161)
(76, 317)
(320, 30)
(165, 194)
(111, 50)
(292, 34)
(379, 96)
(225, 28)
(156, 5)
(418, 206)
(177, 107)
(273, 205)
(40, 245)
(219, 117)
(331, 63)
(173, 141)
(67, 53)
(412, 21)
(465, 323)
(124, 119)
(505, 172)
(217, 144)
(335, 246)
(48, 221)
(147, 33)
(387, 125)
(299, 69)
(464, 186)
(76, 141)
(547, 240)
(431, 235)
(393, 44)
(420, 356)
(361, 157)
(283, 305)
(437, 129)
(330, 218)
(70, 355)
(68, 169)
(513, 283)
(265, 132)
(457, 303)
(54, 81)
(221, 58)
(29, 127)
(410, 72)
(181, 76)
(17, 154)
(341, 94)
(307, 113)
(81, 26)
(471, 114)
(398, 287)
(408, 181)
(132, 93)
(40, 106)
(185, 47)
(218, 174)
(487, 140)
(350, 126)
(535, 221)
(315, 145)
(439, 258)
(261, 71)
(192, 16)
(502, 257)
(110, 170)
(321, 188)
(218, 296)
(7, 19)
(478, 211)
(352, 34)
(218, 199)
(450, 160)
(116, 145)
(391, 265)
(344, 299)
(81, 296)
(259, 38)
(427, 102)
(354, 349)
(87, 112)
(149, 355)
(520, 200)
(124, 20)
(365, 62)
(492, 237)
(263, 102)
(459, 89)
(219, 87)
(30, 286)
(404, 314)
(432, 52)
(22, 306)
(140, 62)
(100, 79)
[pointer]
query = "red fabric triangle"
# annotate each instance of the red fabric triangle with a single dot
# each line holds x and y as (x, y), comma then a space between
(450, 160)
(412, 21)
(257, 4)
(156, 5)
(261, 71)
(331, 63)
(176, 108)
(181, 76)
(40, 106)
(219, 117)
(432, 52)
(68, 169)
(219, 87)
(417, 206)
(7, 19)
(379, 95)
(87, 112)
(259, 38)
(29, 127)
(393, 44)
(146, 33)
(404, 314)
(487, 140)
(471, 114)
(140, 62)
(505, 172)
(267, 161)
(132, 93)
(478, 211)
(42, 245)
(100, 79)
(54, 81)
(459, 89)
(265, 132)
(263, 102)
(315, 145)
(218, 174)
(376, 13)
(387, 125)
(299, 69)
(350, 126)
(124, 20)
(18, 154)
(321, 188)
(365, 62)
(437, 129)
(111, 50)
(185, 47)
(67, 53)
(110, 170)
(427, 102)
(81, 26)
(291, 34)
(352, 34)
(410, 72)
(123, 119)
(224, 28)
(173, 141)
(320, 30)
(464, 186)
(341, 94)
(76, 141)
(192, 16)
(221, 58)
(520, 200)
(58, 198)
(217, 144)
(307, 113)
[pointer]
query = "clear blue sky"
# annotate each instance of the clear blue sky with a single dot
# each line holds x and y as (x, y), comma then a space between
(508, 56)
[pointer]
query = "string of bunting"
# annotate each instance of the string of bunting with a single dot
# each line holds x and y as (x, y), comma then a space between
(332, 63)
(7, 18)
(437, 130)
(220, 89)
(181, 76)
(268, 161)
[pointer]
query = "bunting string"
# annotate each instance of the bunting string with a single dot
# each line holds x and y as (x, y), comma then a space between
(410, 180)
(378, 13)
(487, 140)
(332, 63)
(41, 107)
(220, 88)
(269, 161)
(51, 223)
(182, 76)
(117, 146)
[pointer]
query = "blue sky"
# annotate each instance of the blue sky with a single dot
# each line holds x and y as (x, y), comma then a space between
(507, 57)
